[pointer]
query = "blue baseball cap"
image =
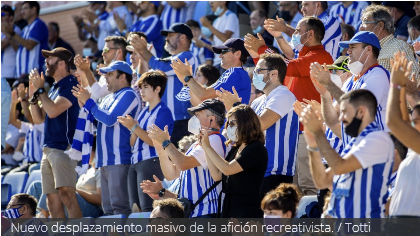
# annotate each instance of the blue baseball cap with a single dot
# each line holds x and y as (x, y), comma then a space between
(117, 65)
(362, 37)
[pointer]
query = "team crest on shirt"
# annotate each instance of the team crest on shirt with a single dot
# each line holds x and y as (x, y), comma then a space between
(184, 94)
(225, 76)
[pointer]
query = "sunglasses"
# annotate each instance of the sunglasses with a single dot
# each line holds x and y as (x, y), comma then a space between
(224, 51)
(106, 50)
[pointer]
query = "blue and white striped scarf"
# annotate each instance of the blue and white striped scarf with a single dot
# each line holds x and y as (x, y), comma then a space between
(83, 140)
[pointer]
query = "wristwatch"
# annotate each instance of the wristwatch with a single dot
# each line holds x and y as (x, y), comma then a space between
(161, 193)
(41, 90)
(166, 144)
(187, 78)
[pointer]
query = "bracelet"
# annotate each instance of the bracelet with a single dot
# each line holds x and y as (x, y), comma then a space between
(396, 86)
(134, 127)
(312, 149)
(166, 143)
(236, 104)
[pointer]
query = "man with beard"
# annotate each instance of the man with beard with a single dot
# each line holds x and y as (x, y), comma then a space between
(59, 110)
(176, 96)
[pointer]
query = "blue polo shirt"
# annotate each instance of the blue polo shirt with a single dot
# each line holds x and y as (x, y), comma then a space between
(59, 131)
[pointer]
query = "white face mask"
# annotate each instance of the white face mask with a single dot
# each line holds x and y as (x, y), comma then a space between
(271, 216)
(194, 125)
(357, 67)
(336, 79)
(231, 133)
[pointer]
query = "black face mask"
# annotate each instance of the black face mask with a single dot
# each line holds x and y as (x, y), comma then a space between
(285, 15)
(352, 129)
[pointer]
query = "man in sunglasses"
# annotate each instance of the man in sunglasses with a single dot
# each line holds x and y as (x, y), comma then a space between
(21, 205)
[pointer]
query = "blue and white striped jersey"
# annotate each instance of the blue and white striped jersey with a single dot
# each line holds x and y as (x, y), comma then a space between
(281, 139)
(151, 27)
(34, 140)
(332, 34)
(112, 141)
(27, 60)
(335, 141)
(176, 96)
(350, 15)
(195, 181)
(202, 54)
(171, 15)
(160, 116)
(376, 80)
(364, 192)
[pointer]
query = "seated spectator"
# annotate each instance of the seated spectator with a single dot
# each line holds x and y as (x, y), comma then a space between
(281, 202)
(403, 201)
(242, 171)
(206, 75)
(167, 208)
(54, 40)
(399, 18)
(200, 46)
(145, 161)
(256, 20)
(97, 10)
(225, 27)
(21, 205)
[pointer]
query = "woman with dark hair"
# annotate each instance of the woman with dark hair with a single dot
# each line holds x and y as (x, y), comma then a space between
(242, 171)
(207, 75)
(281, 202)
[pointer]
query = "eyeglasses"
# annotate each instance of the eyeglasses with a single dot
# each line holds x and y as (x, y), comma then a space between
(106, 50)
(257, 71)
(364, 23)
(224, 51)
(20, 204)
(231, 123)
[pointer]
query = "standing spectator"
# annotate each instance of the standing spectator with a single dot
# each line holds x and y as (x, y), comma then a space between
(416, 7)
(150, 24)
(414, 29)
(90, 30)
(358, 176)
(242, 171)
(8, 45)
(191, 167)
(349, 12)
(200, 47)
(226, 26)
(59, 111)
(112, 153)
(176, 12)
(233, 55)
(256, 20)
(277, 118)
(377, 19)
(400, 19)
(33, 39)
(290, 13)
(176, 96)
(145, 161)
(54, 40)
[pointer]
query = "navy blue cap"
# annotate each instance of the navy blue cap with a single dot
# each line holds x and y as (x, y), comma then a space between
(362, 37)
(178, 28)
(235, 43)
(117, 65)
(7, 8)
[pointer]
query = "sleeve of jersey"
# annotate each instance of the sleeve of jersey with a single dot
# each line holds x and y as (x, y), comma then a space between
(281, 103)
(249, 157)
(39, 32)
(370, 151)
(208, 55)
(163, 65)
(24, 127)
(125, 104)
(98, 91)
(65, 92)
(164, 117)
(378, 84)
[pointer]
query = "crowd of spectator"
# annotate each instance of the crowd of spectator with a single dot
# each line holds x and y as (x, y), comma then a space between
(173, 112)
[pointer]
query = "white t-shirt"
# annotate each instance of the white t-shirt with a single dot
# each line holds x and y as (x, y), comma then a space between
(406, 196)
(226, 22)
(8, 62)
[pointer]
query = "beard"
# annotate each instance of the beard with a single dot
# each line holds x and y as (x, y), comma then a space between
(51, 69)
(171, 47)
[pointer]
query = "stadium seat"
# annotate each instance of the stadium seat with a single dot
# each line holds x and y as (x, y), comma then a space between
(114, 216)
(140, 215)
(33, 167)
(304, 201)
(17, 180)
(6, 193)
(33, 176)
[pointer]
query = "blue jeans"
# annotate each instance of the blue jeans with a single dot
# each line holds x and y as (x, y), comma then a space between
(6, 101)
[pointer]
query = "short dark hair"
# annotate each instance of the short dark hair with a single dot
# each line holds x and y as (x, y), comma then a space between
(414, 23)
(211, 73)
(120, 42)
(55, 27)
(170, 207)
(401, 149)
(129, 77)
(93, 40)
(276, 62)
(139, 33)
(285, 197)
(27, 199)
(324, 5)
(315, 24)
(375, 50)
(243, 57)
(192, 23)
(262, 13)
(154, 78)
(33, 4)
(362, 97)
(349, 29)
